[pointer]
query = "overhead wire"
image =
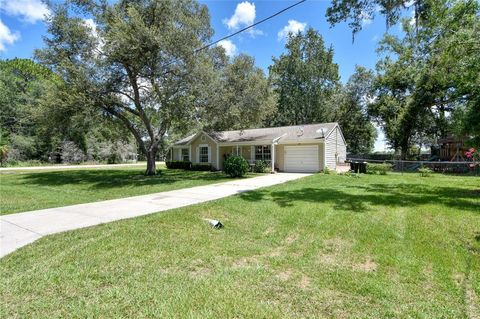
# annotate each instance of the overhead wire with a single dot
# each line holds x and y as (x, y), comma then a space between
(240, 31)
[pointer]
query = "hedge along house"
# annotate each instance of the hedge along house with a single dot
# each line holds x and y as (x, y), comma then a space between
(300, 148)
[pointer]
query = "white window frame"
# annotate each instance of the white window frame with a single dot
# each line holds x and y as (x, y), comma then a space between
(182, 156)
(235, 149)
(263, 153)
(209, 153)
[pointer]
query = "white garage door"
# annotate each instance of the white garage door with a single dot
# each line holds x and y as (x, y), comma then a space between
(301, 158)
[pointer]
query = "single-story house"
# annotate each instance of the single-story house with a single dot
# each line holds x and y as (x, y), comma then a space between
(299, 148)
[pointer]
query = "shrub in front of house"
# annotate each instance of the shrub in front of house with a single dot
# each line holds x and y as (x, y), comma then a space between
(235, 166)
(178, 164)
(425, 171)
(326, 170)
(260, 167)
(201, 167)
(380, 168)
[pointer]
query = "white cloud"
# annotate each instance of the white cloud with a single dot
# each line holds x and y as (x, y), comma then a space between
(30, 10)
(93, 29)
(243, 16)
(7, 36)
(229, 46)
(366, 20)
(409, 3)
(293, 27)
(92, 26)
(413, 20)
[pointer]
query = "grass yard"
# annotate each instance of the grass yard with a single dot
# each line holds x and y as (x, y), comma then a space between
(30, 190)
(326, 246)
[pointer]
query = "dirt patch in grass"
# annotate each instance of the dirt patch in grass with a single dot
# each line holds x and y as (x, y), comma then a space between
(285, 275)
(276, 252)
(334, 303)
(428, 283)
(368, 266)
(291, 239)
(255, 260)
(199, 272)
(273, 253)
(244, 262)
(458, 278)
(335, 252)
(304, 282)
(338, 244)
(269, 231)
(472, 302)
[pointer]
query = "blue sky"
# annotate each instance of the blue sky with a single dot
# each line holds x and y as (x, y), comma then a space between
(21, 31)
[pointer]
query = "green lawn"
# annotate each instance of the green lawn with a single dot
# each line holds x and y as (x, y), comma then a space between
(326, 246)
(29, 190)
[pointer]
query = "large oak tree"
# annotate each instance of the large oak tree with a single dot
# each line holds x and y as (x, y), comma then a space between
(134, 61)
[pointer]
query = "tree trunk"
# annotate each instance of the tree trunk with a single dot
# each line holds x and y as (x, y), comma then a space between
(403, 153)
(151, 168)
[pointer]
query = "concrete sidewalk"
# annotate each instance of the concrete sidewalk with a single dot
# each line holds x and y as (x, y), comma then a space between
(18, 230)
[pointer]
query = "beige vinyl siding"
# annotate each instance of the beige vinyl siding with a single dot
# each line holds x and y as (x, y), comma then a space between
(200, 140)
(280, 155)
(335, 149)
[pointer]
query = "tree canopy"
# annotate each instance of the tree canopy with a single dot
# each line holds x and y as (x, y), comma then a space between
(308, 89)
(241, 97)
(304, 79)
(356, 12)
(350, 110)
(428, 75)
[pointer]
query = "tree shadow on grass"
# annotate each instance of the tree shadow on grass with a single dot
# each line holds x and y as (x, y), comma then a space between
(401, 195)
(104, 179)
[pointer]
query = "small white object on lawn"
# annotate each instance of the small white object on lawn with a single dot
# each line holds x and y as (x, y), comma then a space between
(215, 223)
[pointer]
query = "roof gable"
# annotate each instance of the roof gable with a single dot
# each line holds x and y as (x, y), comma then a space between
(340, 130)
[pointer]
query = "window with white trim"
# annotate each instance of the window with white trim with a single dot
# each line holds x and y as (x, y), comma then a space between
(237, 150)
(185, 154)
(263, 153)
(203, 154)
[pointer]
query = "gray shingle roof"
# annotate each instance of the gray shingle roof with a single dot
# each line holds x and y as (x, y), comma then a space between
(288, 133)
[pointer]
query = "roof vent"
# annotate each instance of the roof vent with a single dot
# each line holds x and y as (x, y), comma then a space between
(321, 130)
(300, 131)
(241, 133)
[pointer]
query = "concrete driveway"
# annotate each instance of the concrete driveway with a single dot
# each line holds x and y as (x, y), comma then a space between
(18, 230)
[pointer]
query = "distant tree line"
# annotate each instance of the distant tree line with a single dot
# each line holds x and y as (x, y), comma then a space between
(133, 81)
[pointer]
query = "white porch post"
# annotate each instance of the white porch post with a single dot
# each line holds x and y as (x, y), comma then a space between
(218, 158)
(273, 158)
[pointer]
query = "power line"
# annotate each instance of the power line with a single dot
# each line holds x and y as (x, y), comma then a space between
(250, 26)
(241, 30)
